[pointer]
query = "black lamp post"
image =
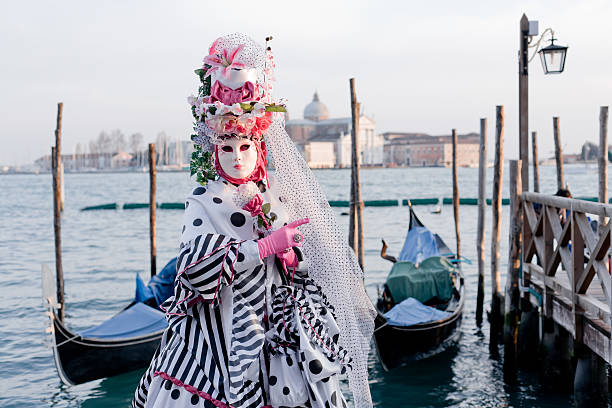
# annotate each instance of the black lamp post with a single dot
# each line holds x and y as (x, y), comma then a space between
(553, 62)
(553, 58)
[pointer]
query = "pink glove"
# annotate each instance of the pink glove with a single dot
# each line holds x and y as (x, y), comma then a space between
(281, 239)
(288, 257)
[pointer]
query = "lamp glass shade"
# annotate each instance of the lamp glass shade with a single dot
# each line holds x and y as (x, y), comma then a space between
(553, 58)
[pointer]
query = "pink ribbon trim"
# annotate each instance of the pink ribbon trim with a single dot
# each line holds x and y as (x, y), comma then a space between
(191, 389)
(227, 247)
(313, 329)
(189, 293)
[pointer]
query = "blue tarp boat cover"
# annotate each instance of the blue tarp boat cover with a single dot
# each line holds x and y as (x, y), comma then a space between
(161, 286)
(411, 311)
(419, 245)
(138, 320)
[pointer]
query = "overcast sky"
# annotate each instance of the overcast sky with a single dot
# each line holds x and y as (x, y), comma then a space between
(419, 66)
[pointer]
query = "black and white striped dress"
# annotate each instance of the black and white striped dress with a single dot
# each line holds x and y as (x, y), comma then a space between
(240, 333)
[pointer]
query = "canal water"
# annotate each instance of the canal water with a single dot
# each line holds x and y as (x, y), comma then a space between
(104, 250)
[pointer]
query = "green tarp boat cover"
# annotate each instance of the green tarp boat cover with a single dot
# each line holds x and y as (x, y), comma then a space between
(431, 279)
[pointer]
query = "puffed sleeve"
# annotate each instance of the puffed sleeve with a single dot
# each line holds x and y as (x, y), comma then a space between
(208, 260)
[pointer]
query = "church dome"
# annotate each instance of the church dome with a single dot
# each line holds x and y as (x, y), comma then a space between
(316, 110)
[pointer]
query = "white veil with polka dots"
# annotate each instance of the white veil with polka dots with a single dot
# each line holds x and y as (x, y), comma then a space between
(332, 264)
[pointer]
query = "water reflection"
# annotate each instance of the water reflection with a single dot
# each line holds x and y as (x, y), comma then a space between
(419, 384)
(114, 391)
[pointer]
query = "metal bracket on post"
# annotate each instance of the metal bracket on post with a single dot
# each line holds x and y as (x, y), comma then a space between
(524, 57)
(533, 28)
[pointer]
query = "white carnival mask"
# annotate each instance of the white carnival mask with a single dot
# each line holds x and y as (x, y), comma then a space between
(235, 78)
(237, 157)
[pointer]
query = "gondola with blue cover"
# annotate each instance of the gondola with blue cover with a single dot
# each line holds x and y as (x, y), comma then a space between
(420, 305)
(123, 343)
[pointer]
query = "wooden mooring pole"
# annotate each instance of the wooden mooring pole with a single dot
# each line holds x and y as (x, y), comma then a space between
(61, 186)
(512, 297)
(57, 209)
(536, 167)
(603, 159)
(152, 207)
(356, 205)
(59, 272)
(558, 153)
(456, 194)
(496, 207)
(480, 240)
(352, 233)
(58, 153)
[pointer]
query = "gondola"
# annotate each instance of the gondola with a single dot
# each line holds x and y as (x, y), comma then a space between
(123, 343)
(400, 342)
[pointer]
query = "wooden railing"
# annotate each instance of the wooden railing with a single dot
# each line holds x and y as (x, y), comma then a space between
(571, 274)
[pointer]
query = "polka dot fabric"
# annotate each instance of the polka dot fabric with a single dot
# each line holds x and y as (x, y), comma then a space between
(315, 364)
(164, 394)
(287, 388)
(333, 265)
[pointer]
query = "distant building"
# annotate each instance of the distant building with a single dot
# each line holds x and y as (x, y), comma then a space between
(422, 150)
(180, 153)
(74, 162)
(320, 151)
(326, 142)
(121, 160)
(173, 155)
(590, 151)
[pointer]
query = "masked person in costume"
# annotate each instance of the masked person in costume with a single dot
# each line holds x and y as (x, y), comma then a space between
(269, 308)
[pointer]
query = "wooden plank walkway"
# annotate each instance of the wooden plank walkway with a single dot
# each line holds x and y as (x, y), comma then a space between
(566, 267)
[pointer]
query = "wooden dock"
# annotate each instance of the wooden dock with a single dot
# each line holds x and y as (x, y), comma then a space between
(558, 294)
(565, 278)
(566, 266)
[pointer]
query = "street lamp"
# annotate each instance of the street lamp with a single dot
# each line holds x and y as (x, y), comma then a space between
(553, 62)
(553, 58)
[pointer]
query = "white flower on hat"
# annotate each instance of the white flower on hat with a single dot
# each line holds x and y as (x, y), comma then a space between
(259, 109)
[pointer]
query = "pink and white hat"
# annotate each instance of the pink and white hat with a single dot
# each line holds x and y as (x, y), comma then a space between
(235, 95)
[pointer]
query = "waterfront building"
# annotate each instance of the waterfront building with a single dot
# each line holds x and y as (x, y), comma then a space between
(74, 162)
(590, 152)
(422, 150)
(173, 155)
(121, 160)
(326, 142)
